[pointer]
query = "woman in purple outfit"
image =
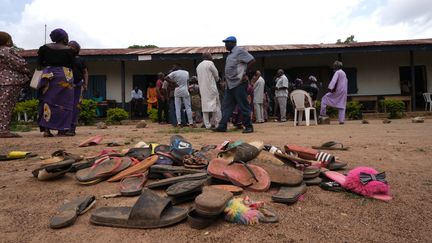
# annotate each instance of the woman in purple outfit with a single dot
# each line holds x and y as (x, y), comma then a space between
(56, 88)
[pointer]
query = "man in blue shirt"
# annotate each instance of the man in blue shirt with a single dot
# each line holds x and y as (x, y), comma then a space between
(237, 63)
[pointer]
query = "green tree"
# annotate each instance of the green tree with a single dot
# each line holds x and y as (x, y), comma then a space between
(140, 46)
(348, 40)
(17, 48)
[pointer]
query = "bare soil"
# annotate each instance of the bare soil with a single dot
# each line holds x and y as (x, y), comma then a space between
(402, 149)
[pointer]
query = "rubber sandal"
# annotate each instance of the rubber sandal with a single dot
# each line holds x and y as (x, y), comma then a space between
(149, 211)
(132, 185)
(68, 212)
(289, 194)
(103, 169)
(251, 177)
(197, 221)
(91, 141)
(279, 172)
(12, 155)
(53, 171)
(185, 187)
(243, 152)
(331, 145)
(235, 190)
(176, 179)
(140, 167)
(212, 201)
(313, 182)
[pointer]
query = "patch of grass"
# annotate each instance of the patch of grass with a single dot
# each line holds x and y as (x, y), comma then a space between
(428, 183)
(18, 127)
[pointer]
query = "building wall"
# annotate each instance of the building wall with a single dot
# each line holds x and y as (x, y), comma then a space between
(377, 73)
(425, 58)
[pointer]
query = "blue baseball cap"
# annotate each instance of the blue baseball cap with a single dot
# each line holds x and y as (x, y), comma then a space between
(230, 39)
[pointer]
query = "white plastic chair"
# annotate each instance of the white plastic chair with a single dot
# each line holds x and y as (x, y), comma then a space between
(298, 99)
(428, 100)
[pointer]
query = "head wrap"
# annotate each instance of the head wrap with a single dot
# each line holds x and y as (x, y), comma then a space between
(75, 44)
(4, 38)
(58, 35)
(313, 78)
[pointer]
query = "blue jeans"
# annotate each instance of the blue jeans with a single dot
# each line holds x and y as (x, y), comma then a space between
(233, 97)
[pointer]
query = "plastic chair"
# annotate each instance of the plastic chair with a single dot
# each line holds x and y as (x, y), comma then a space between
(302, 103)
(428, 100)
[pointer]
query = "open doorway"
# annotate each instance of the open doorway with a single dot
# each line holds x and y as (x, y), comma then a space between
(420, 83)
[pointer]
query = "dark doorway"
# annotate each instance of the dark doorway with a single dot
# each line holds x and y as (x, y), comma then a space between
(96, 83)
(420, 83)
(142, 82)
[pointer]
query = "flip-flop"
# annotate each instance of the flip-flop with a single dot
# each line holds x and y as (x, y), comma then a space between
(132, 185)
(235, 190)
(212, 201)
(61, 155)
(331, 145)
(149, 211)
(372, 188)
(140, 167)
(68, 212)
(250, 177)
(103, 169)
(216, 168)
(267, 215)
(184, 188)
(12, 155)
(91, 141)
(289, 194)
(243, 152)
(279, 174)
(313, 182)
(195, 161)
(176, 179)
(139, 153)
(173, 169)
(323, 159)
(311, 172)
(197, 221)
(53, 171)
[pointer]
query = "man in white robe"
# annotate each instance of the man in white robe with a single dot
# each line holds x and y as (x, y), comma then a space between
(207, 78)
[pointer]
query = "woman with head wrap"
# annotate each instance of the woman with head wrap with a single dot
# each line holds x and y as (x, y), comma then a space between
(56, 88)
(13, 75)
(80, 75)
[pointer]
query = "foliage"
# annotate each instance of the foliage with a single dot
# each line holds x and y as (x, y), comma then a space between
(88, 112)
(348, 40)
(116, 115)
(140, 46)
(331, 112)
(20, 127)
(153, 115)
(395, 108)
(353, 110)
(29, 106)
(17, 48)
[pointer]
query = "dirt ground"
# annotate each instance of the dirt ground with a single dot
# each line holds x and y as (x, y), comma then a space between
(402, 149)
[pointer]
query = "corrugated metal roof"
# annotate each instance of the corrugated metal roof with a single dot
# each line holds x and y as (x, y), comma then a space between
(221, 49)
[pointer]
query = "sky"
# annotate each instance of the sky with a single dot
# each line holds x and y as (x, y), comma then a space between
(174, 23)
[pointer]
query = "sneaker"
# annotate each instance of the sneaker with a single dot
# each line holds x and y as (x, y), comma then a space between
(248, 130)
(218, 129)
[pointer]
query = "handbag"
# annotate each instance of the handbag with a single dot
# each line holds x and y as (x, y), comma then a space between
(37, 76)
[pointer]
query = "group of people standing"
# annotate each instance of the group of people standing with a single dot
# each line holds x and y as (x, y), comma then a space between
(63, 77)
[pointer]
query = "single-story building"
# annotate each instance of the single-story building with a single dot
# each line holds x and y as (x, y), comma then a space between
(399, 69)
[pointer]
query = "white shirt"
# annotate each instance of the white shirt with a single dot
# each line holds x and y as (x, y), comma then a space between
(282, 81)
(136, 95)
(259, 91)
(181, 77)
